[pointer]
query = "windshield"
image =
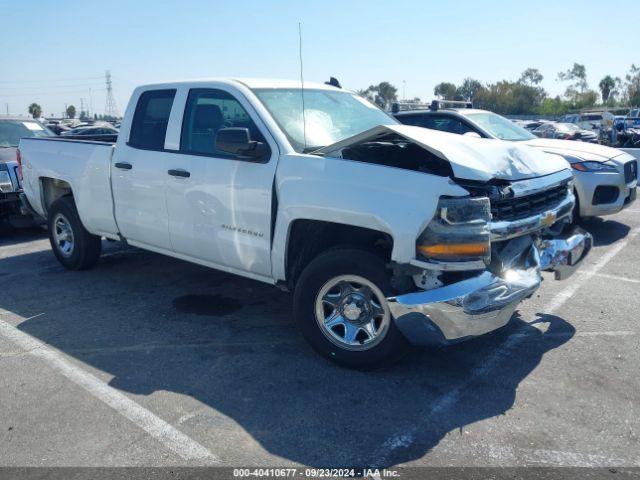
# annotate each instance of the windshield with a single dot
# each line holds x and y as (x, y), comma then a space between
(500, 127)
(11, 131)
(330, 116)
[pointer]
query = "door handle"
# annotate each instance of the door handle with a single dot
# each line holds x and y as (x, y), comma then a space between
(179, 173)
(124, 166)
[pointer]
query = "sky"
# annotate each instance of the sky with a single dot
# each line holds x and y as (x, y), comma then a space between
(56, 52)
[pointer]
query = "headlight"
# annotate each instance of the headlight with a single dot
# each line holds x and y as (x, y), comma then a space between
(593, 167)
(5, 182)
(459, 232)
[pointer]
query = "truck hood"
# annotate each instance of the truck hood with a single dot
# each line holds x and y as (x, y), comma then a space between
(470, 158)
(585, 151)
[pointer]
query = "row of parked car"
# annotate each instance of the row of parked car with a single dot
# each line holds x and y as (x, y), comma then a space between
(559, 130)
(604, 127)
(82, 128)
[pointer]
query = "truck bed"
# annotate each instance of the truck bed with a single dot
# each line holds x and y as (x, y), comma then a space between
(84, 165)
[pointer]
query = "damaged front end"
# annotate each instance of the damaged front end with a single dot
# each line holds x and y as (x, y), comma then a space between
(482, 255)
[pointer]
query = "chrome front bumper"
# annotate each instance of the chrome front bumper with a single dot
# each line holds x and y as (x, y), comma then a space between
(484, 303)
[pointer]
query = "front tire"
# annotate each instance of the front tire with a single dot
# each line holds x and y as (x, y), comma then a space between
(340, 306)
(73, 246)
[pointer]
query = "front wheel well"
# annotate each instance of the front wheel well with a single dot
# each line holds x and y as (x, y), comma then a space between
(309, 238)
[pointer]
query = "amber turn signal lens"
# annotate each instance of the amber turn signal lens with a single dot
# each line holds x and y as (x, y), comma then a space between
(455, 249)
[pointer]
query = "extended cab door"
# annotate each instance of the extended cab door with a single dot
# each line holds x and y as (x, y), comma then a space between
(139, 172)
(220, 204)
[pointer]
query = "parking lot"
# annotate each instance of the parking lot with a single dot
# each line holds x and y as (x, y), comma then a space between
(147, 360)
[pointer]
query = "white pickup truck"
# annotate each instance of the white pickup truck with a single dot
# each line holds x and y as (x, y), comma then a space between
(386, 233)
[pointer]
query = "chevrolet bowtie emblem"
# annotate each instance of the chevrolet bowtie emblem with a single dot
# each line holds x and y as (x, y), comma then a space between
(548, 219)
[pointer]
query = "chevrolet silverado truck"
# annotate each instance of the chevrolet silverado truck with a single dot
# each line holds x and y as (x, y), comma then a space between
(387, 234)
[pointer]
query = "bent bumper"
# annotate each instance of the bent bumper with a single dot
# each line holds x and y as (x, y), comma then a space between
(484, 303)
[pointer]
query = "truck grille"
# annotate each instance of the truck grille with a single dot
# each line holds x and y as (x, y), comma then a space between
(630, 171)
(511, 209)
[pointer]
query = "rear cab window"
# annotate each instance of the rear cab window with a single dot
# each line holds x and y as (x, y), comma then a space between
(150, 120)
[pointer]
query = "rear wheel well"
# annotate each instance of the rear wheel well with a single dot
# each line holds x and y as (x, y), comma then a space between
(52, 189)
(309, 238)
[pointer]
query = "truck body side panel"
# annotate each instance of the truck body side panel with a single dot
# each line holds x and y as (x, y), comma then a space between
(392, 200)
(85, 166)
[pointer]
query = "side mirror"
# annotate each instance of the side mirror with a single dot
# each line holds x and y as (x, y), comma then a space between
(471, 134)
(237, 141)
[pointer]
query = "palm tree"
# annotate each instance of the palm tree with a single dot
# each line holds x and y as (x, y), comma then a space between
(607, 84)
(35, 110)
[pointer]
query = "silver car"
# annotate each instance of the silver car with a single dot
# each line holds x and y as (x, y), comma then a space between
(605, 178)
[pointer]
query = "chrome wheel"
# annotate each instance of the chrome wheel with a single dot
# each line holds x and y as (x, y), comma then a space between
(63, 235)
(352, 312)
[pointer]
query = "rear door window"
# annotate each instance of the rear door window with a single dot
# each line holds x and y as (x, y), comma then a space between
(150, 120)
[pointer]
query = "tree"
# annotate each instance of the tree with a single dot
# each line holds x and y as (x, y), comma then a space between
(71, 111)
(367, 93)
(553, 106)
(607, 84)
(576, 74)
(633, 86)
(531, 77)
(387, 93)
(383, 94)
(35, 110)
(467, 91)
(445, 90)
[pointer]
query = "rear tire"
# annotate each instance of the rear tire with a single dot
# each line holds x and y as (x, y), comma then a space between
(341, 309)
(73, 246)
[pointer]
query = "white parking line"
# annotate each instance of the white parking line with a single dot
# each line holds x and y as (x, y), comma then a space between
(405, 438)
(178, 442)
(617, 277)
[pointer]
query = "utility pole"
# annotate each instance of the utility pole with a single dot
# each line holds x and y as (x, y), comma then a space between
(404, 90)
(81, 106)
(7, 104)
(110, 109)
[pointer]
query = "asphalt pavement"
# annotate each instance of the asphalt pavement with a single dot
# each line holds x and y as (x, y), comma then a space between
(148, 360)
